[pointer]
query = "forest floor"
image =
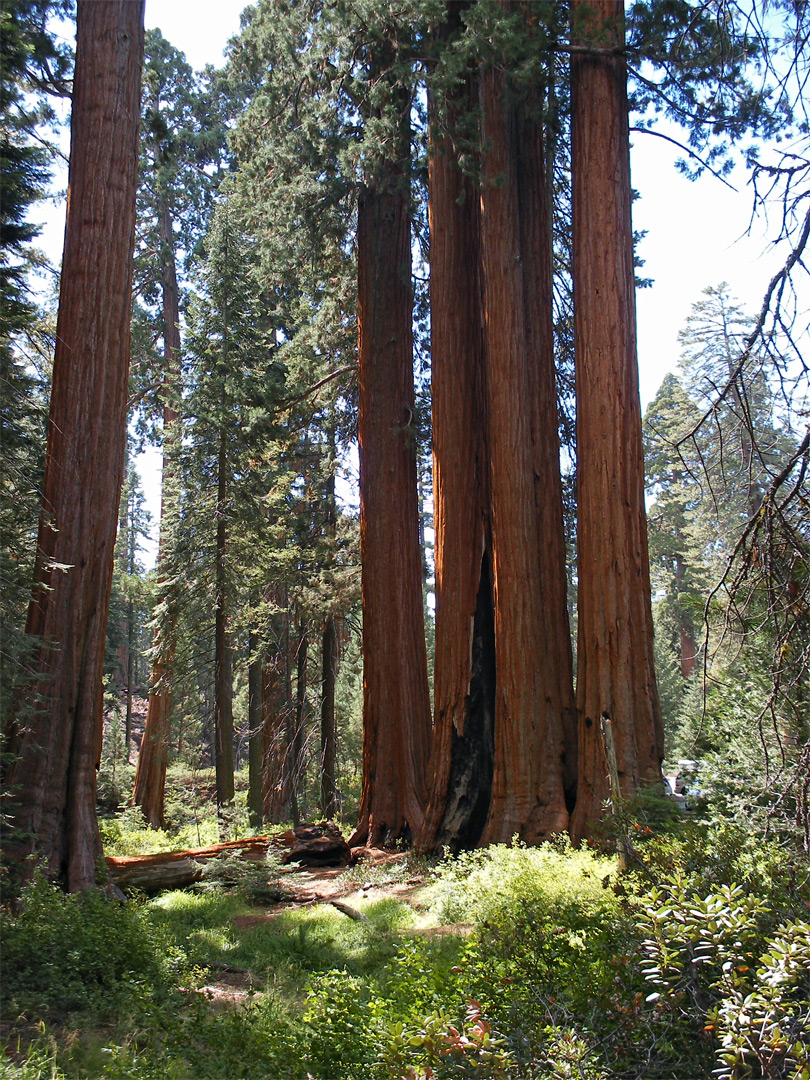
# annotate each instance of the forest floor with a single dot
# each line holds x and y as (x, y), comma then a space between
(334, 887)
(501, 963)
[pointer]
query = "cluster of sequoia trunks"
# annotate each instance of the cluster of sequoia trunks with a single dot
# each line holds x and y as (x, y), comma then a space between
(513, 751)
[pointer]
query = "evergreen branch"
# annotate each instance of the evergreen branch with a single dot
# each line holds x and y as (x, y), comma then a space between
(686, 149)
(776, 285)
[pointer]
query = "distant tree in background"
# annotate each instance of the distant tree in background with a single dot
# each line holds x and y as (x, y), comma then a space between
(676, 556)
(178, 141)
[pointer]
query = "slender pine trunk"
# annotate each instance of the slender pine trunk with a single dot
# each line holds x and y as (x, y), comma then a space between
(150, 776)
(255, 733)
(223, 661)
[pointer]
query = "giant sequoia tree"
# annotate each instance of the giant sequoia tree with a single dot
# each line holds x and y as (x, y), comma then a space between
(55, 741)
(615, 666)
(504, 747)
(396, 702)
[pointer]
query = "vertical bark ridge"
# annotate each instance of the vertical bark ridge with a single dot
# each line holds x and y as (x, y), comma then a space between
(536, 252)
(616, 676)
(463, 734)
(55, 746)
(396, 697)
(527, 791)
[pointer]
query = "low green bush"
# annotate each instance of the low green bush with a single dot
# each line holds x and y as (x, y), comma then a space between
(65, 952)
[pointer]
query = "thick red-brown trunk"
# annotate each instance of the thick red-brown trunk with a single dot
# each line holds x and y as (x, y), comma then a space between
(150, 775)
(462, 754)
(556, 661)
(55, 744)
(528, 796)
(396, 698)
(504, 746)
(616, 675)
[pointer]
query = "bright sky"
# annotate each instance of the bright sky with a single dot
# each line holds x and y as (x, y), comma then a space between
(694, 230)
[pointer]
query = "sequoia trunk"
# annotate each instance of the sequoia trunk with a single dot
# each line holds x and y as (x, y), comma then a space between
(616, 676)
(504, 743)
(462, 755)
(527, 792)
(55, 744)
(396, 699)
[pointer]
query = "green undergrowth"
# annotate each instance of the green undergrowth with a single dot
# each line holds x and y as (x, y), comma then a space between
(515, 963)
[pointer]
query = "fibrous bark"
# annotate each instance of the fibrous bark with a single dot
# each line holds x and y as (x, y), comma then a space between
(396, 701)
(528, 796)
(616, 676)
(462, 755)
(55, 745)
(504, 747)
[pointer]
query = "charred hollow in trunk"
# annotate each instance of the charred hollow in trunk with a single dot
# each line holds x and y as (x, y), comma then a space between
(472, 755)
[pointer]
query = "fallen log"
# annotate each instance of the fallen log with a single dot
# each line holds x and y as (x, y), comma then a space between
(316, 845)
(308, 845)
(347, 909)
(178, 869)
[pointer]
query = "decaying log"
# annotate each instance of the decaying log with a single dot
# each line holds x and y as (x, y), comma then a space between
(316, 845)
(308, 845)
(178, 869)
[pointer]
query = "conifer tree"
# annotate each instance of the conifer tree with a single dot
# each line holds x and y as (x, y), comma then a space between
(504, 747)
(615, 663)
(55, 747)
(302, 176)
(233, 382)
(672, 477)
(177, 141)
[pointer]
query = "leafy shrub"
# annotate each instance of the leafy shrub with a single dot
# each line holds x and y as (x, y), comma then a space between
(701, 857)
(69, 952)
(717, 975)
